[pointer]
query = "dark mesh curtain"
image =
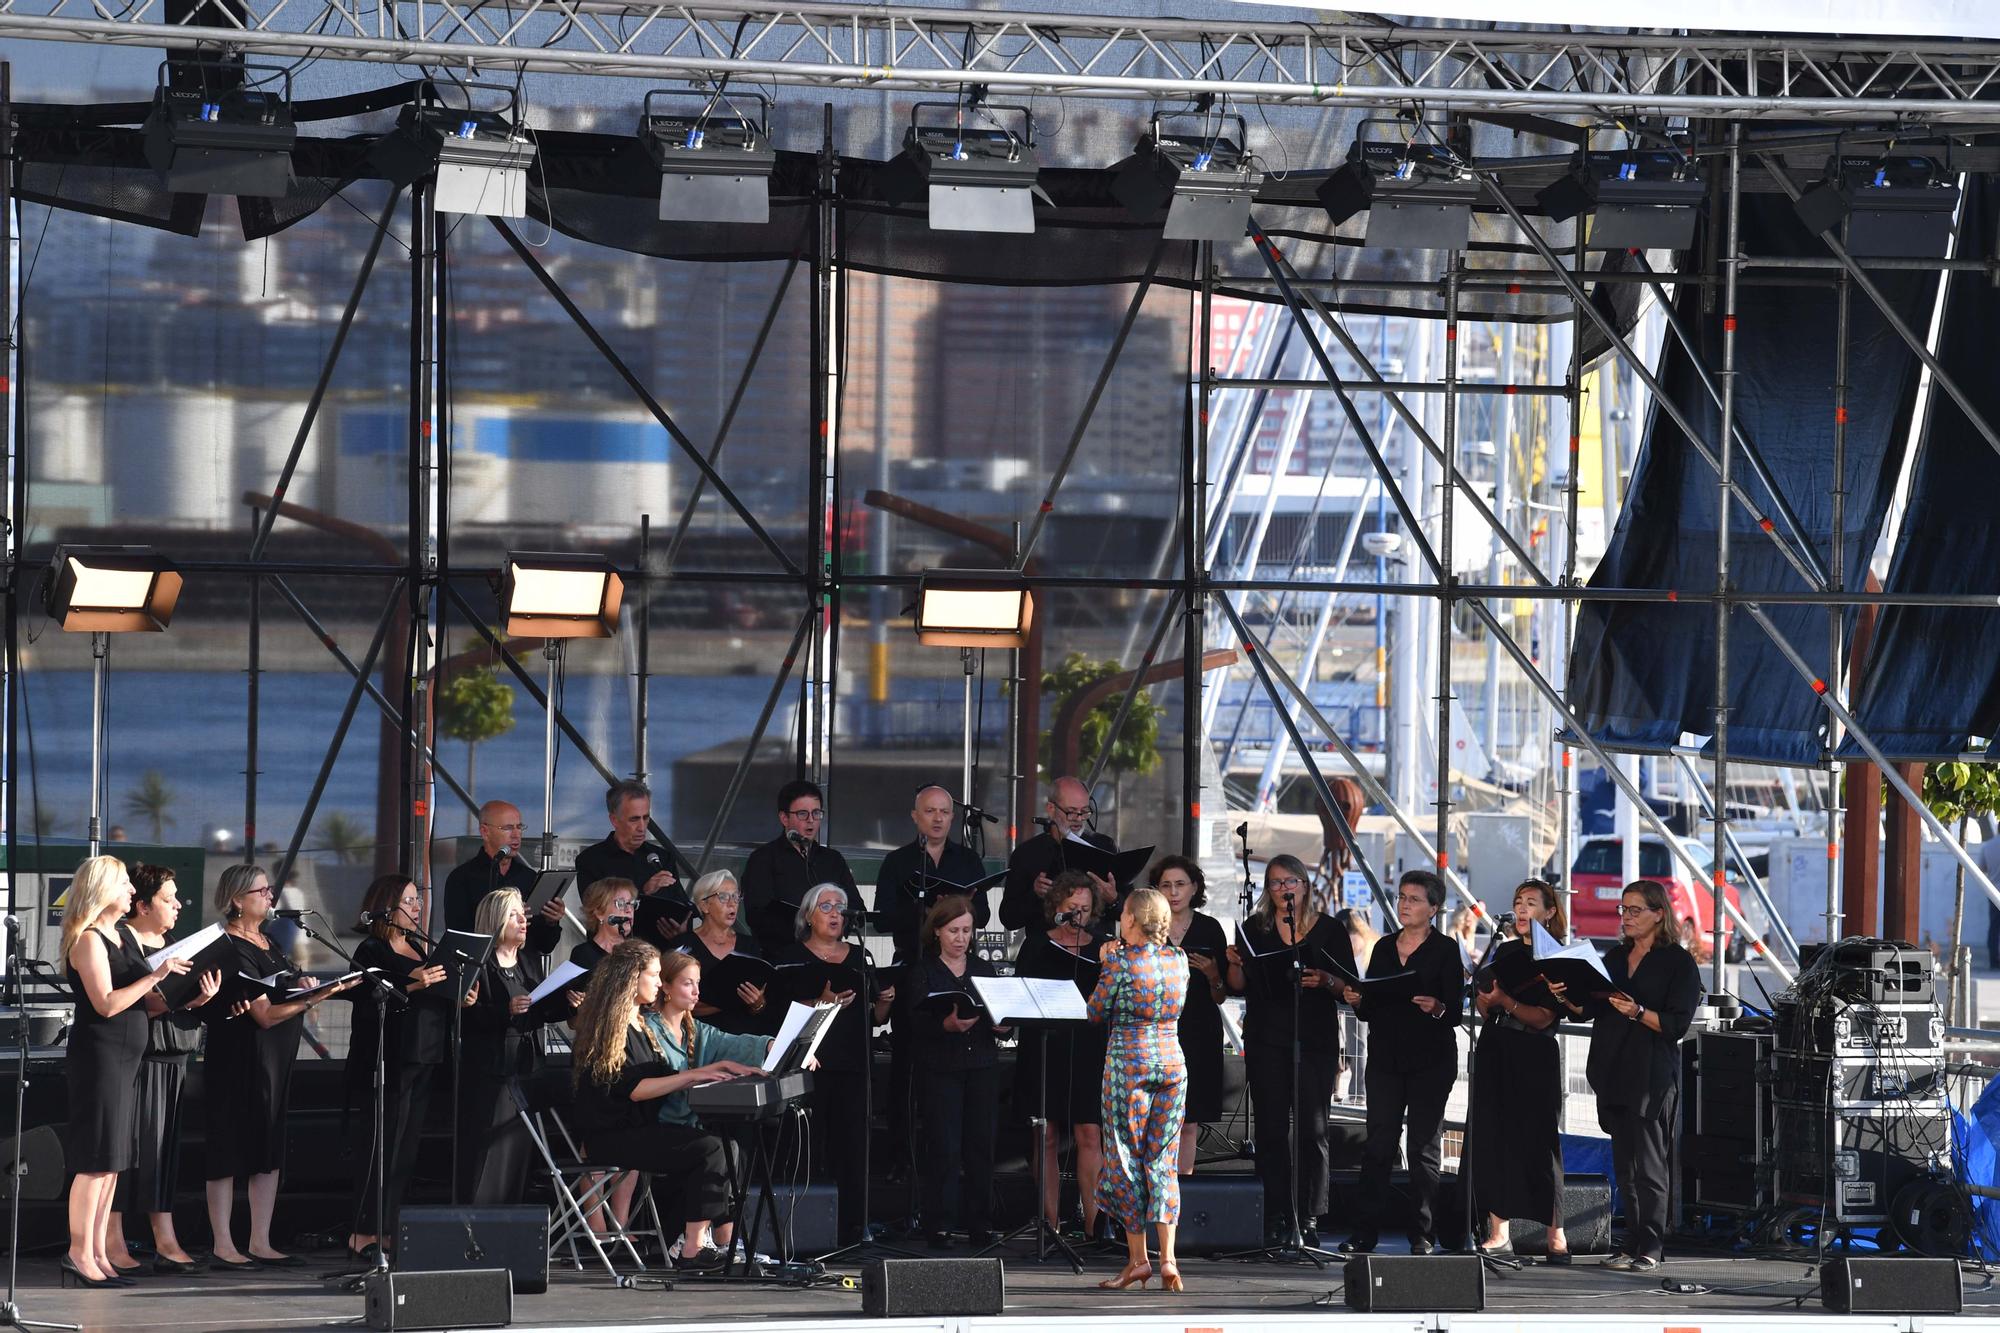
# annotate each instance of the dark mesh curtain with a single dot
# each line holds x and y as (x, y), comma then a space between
(1643, 674)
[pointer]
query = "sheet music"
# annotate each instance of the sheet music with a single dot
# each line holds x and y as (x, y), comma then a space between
(1030, 997)
(1547, 946)
(559, 979)
(796, 1019)
(188, 947)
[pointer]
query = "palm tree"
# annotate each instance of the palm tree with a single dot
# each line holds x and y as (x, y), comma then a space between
(346, 837)
(150, 801)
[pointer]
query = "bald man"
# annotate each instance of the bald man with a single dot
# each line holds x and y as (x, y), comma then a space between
(498, 864)
(1036, 862)
(913, 875)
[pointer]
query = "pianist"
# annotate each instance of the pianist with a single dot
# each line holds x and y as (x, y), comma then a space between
(638, 1050)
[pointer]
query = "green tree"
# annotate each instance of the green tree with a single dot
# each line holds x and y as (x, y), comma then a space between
(1958, 792)
(346, 837)
(1136, 748)
(474, 707)
(150, 801)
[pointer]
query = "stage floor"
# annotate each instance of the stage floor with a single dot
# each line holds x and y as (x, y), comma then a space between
(1745, 1294)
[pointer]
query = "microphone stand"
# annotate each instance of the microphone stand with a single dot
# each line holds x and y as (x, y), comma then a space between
(10, 1311)
(389, 993)
(1494, 1262)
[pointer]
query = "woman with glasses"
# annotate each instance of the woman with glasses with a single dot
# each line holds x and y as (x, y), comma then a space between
(502, 1040)
(822, 967)
(1412, 1058)
(416, 1041)
(1285, 926)
(608, 905)
(1198, 935)
(1071, 1057)
(1634, 1065)
(957, 1068)
(247, 1075)
(1517, 1092)
(728, 1003)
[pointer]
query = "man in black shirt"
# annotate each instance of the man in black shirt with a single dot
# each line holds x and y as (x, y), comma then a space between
(626, 853)
(778, 874)
(498, 864)
(918, 873)
(1036, 862)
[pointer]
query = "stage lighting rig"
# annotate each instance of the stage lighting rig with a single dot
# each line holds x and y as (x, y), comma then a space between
(973, 608)
(214, 129)
(481, 156)
(1417, 193)
(1896, 205)
(1205, 182)
(1643, 199)
(977, 177)
(712, 168)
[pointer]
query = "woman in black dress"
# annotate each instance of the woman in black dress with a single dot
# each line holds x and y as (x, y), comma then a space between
(1066, 949)
(1634, 1064)
(1412, 1058)
(417, 1040)
(957, 1077)
(502, 1035)
(247, 1075)
(824, 968)
(1200, 936)
(1517, 1092)
(109, 977)
(608, 905)
(1287, 922)
(171, 1037)
(744, 1007)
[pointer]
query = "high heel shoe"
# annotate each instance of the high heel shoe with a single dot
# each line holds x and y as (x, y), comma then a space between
(1127, 1275)
(1170, 1276)
(69, 1275)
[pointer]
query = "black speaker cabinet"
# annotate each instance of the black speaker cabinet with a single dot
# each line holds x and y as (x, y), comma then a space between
(1586, 1208)
(470, 1298)
(808, 1219)
(1221, 1212)
(1891, 1284)
(923, 1288)
(1416, 1283)
(444, 1237)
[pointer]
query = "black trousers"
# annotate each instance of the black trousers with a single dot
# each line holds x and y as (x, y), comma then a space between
(1408, 1105)
(839, 1142)
(1639, 1146)
(960, 1109)
(689, 1166)
(1271, 1078)
(494, 1150)
(407, 1101)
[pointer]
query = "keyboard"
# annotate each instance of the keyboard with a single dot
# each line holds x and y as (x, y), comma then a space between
(753, 1097)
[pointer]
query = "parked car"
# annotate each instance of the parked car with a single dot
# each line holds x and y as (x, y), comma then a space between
(1598, 888)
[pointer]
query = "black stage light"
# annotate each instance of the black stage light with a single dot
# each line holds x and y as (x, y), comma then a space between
(481, 157)
(978, 178)
(974, 608)
(1417, 195)
(111, 589)
(214, 130)
(1897, 205)
(1203, 182)
(712, 168)
(1645, 199)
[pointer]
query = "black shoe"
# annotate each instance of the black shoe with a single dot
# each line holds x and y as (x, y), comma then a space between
(281, 1261)
(1421, 1246)
(1309, 1238)
(1357, 1244)
(1557, 1259)
(69, 1275)
(175, 1268)
(980, 1239)
(940, 1240)
(706, 1259)
(246, 1265)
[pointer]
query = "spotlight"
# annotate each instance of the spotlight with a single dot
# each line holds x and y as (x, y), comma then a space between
(979, 178)
(1639, 200)
(210, 132)
(1418, 195)
(554, 596)
(712, 168)
(973, 608)
(481, 157)
(1896, 206)
(1205, 183)
(111, 589)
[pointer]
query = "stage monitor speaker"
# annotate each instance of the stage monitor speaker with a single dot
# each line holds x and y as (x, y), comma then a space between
(808, 1218)
(42, 1174)
(471, 1298)
(925, 1288)
(1586, 1209)
(1416, 1283)
(448, 1237)
(1221, 1212)
(1891, 1284)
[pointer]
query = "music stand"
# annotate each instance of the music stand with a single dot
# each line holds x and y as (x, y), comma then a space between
(1046, 1236)
(1470, 1143)
(465, 955)
(10, 1311)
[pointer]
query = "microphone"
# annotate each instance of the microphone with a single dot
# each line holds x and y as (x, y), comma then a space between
(797, 839)
(1243, 830)
(1504, 919)
(617, 920)
(294, 913)
(1045, 822)
(653, 858)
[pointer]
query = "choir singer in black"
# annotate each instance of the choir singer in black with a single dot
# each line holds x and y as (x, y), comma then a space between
(1412, 1057)
(1634, 1064)
(777, 874)
(498, 864)
(958, 1078)
(930, 866)
(502, 1040)
(627, 854)
(1033, 867)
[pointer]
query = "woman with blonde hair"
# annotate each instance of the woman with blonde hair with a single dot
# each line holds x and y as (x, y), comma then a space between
(633, 1068)
(109, 977)
(1139, 997)
(502, 1035)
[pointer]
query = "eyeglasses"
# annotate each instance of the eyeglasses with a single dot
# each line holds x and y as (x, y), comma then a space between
(1070, 811)
(507, 828)
(806, 814)
(264, 889)
(1289, 882)
(1626, 909)
(831, 909)
(728, 899)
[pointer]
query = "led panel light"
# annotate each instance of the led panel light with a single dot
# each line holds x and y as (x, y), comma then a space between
(712, 168)
(1204, 183)
(481, 158)
(555, 596)
(976, 177)
(111, 589)
(1639, 200)
(213, 130)
(973, 608)
(1896, 206)
(1414, 194)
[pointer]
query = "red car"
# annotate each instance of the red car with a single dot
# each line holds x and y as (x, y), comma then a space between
(1594, 905)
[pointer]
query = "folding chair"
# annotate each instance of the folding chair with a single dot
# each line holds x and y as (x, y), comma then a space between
(581, 1187)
